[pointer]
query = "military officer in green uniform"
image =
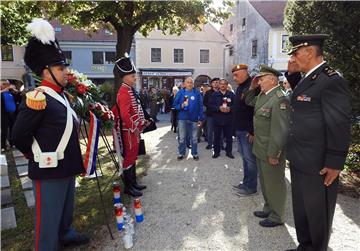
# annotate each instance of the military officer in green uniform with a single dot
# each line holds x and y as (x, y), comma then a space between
(319, 137)
(271, 116)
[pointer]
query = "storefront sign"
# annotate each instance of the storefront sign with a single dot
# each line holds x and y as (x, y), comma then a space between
(98, 68)
(166, 73)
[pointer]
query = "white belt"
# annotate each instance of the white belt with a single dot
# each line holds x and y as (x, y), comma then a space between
(49, 159)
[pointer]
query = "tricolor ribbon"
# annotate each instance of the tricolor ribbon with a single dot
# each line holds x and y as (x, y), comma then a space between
(92, 146)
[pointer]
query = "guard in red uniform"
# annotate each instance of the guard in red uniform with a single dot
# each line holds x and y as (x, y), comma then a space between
(133, 122)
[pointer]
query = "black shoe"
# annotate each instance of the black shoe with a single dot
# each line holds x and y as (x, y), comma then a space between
(208, 147)
(76, 240)
(132, 191)
(139, 187)
(230, 155)
(188, 146)
(180, 157)
(294, 249)
(215, 155)
(261, 214)
(195, 157)
(269, 223)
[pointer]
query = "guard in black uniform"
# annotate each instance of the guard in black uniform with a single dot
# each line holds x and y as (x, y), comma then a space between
(45, 131)
(319, 137)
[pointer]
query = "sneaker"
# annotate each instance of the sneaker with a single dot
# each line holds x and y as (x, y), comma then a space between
(195, 157)
(180, 157)
(245, 193)
(240, 186)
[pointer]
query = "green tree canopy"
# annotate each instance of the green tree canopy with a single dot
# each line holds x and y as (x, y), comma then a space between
(124, 17)
(341, 21)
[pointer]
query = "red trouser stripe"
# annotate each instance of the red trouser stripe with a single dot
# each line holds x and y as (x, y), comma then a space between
(38, 215)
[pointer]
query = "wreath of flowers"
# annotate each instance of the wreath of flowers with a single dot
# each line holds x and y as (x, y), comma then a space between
(86, 96)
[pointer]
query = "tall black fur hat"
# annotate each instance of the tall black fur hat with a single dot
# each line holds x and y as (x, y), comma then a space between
(125, 65)
(43, 49)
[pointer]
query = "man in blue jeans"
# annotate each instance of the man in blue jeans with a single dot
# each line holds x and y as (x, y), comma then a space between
(243, 126)
(188, 102)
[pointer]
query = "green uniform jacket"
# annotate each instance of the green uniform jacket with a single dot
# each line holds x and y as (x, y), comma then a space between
(271, 116)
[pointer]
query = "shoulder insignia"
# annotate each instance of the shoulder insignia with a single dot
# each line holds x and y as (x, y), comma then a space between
(36, 100)
(330, 71)
(283, 106)
(314, 77)
(280, 94)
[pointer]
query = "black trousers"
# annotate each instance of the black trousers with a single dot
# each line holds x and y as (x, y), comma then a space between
(129, 176)
(226, 130)
(313, 207)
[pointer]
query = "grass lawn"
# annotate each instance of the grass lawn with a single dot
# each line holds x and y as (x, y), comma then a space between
(88, 213)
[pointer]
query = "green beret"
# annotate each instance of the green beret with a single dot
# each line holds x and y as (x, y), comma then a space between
(299, 41)
(267, 70)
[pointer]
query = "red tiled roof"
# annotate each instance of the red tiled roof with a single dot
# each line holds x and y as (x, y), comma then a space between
(67, 33)
(271, 11)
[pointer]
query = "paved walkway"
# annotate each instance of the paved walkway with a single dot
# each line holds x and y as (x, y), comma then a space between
(190, 205)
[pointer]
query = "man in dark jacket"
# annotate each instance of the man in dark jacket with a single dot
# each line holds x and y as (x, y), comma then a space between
(244, 130)
(46, 132)
(209, 114)
(319, 137)
(221, 104)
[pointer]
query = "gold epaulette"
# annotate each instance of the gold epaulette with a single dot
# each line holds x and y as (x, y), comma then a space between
(36, 100)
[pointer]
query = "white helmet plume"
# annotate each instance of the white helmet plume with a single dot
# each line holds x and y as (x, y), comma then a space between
(42, 30)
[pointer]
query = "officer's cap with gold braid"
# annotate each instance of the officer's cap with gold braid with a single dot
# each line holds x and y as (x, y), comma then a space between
(299, 41)
(239, 67)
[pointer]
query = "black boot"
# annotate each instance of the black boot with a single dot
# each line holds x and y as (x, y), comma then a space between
(134, 182)
(129, 185)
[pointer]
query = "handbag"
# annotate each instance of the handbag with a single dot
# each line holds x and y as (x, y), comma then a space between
(142, 150)
(151, 127)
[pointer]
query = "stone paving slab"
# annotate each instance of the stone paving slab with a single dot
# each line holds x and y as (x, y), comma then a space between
(5, 181)
(30, 199)
(22, 170)
(8, 219)
(6, 196)
(20, 161)
(17, 153)
(4, 170)
(3, 160)
(26, 182)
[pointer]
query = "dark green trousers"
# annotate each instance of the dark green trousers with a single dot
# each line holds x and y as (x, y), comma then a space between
(273, 187)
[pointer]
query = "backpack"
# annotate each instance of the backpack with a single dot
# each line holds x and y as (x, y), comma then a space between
(9, 102)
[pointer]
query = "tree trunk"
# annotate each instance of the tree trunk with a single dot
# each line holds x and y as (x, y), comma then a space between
(125, 37)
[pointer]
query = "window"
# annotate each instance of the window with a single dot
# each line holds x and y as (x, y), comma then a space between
(7, 53)
(243, 22)
(178, 56)
(231, 27)
(231, 51)
(68, 56)
(110, 57)
(98, 57)
(254, 48)
(104, 57)
(156, 55)
(284, 43)
(204, 56)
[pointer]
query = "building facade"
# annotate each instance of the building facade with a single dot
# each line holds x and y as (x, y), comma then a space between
(12, 63)
(256, 35)
(166, 60)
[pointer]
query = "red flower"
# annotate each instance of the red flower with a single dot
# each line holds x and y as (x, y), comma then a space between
(71, 78)
(106, 116)
(81, 88)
